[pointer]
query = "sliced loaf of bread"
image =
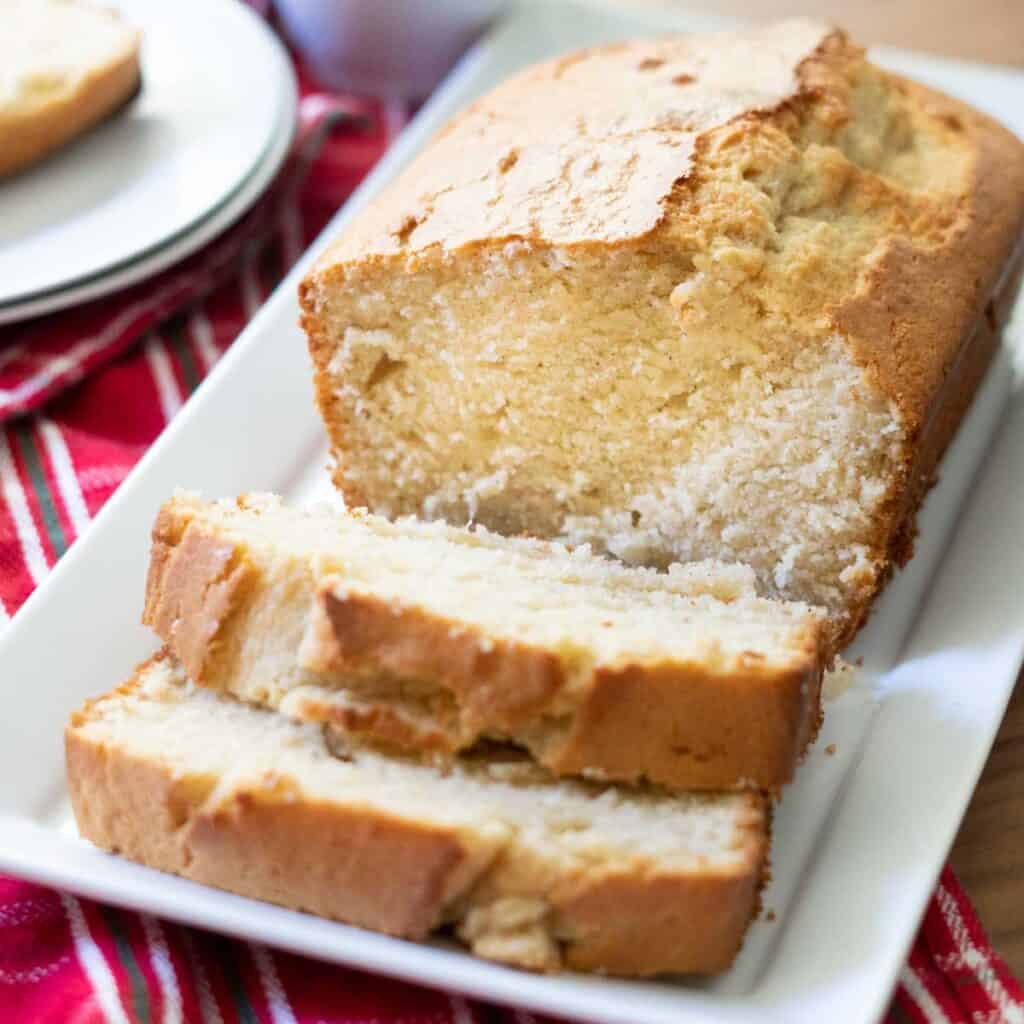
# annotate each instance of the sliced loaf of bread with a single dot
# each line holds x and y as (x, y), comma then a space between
(531, 871)
(691, 297)
(430, 637)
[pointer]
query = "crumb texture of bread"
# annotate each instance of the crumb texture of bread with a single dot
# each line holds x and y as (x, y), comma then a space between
(428, 637)
(543, 874)
(688, 298)
(64, 66)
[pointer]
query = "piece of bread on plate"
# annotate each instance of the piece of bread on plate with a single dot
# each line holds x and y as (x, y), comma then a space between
(430, 637)
(694, 297)
(543, 874)
(65, 65)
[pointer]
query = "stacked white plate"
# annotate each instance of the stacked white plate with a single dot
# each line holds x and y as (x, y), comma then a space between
(187, 158)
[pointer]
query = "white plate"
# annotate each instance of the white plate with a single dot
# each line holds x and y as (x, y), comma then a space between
(860, 836)
(184, 244)
(214, 80)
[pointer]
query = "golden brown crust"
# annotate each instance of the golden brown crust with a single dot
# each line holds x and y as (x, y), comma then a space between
(922, 320)
(684, 726)
(917, 307)
(499, 683)
(26, 137)
(712, 912)
(243, 842)
(898, 530)
(318, 858)
(268, 840)
(694, 729)
(193, 584)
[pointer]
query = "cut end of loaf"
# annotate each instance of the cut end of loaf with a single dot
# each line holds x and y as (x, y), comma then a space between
(543, 874)
(576, 416)
(745, 377)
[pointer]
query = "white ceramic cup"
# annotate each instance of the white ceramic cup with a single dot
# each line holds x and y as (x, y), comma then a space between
(398, 49)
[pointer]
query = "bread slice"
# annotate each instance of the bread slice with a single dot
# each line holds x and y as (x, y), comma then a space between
(431, 637)
(64, 66)
(543, 874)
(686, 298)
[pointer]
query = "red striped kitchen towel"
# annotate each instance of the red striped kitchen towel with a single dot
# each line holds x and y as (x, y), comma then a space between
(136, 357)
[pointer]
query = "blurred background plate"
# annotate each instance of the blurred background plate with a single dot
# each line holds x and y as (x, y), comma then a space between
(182, 245)
(215, 83)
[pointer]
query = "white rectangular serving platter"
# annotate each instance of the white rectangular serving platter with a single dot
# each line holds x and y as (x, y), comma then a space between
(859, 837)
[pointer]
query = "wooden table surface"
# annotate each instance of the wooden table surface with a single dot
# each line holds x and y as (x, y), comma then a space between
(985, 30)
(989, 851)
